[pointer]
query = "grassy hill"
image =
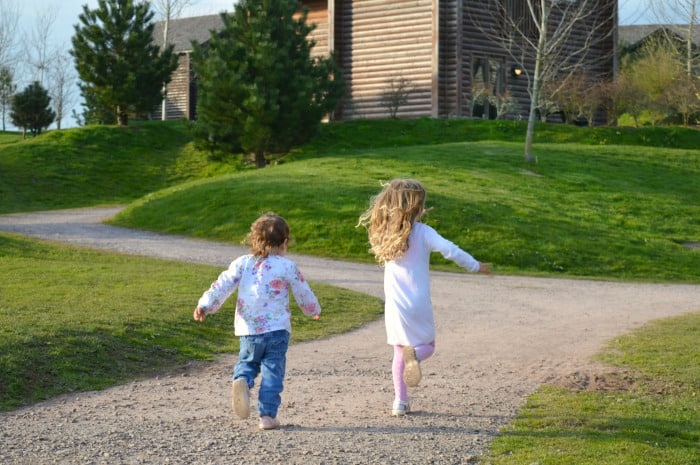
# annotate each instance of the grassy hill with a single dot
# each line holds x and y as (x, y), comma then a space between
(616, 203)
(96, 165)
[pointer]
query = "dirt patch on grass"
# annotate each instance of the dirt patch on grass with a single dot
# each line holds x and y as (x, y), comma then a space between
(608, 379)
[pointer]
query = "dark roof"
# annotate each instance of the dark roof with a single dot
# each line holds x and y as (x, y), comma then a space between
(182, 31)
(630, 35)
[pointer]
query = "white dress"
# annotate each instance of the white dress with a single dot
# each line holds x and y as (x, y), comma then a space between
(408, 310)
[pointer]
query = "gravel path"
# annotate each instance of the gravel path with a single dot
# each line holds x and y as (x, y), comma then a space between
(499, 338)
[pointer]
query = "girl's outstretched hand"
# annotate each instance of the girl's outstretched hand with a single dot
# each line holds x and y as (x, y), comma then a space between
(484, 268)
(199, 314)
(317, 317)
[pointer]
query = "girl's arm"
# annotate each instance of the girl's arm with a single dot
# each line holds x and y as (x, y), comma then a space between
(304, 296)
(220, 290)
(451, 251)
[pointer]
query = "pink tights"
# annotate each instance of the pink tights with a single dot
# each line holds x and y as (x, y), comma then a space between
(422, 352)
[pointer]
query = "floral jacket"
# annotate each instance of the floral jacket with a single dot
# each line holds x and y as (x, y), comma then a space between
(263, 293)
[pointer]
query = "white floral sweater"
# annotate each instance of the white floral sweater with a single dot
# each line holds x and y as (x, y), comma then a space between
(263, 293)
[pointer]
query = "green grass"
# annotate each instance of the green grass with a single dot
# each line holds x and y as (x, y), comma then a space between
(73, 319)
(652, 418)
(96, 165)
(609, 212)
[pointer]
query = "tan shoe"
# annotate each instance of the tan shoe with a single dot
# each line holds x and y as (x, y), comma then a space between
(268, 423)
(240, 398)
(411, 371)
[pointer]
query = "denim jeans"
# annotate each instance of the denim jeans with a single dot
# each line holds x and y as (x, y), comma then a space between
(266, 354)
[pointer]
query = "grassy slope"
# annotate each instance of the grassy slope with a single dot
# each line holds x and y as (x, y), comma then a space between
(604, 211)
(96, 165)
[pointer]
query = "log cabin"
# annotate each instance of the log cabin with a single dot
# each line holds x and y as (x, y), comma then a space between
(447, 54)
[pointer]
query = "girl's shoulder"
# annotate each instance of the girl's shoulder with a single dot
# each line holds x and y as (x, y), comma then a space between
(281, 261)
(422, 228)
(424, 231)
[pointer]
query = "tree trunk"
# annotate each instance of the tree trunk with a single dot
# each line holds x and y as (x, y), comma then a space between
(164, 104)
(260, 161)
(122, 117)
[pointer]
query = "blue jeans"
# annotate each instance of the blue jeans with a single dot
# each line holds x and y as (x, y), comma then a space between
(267, 354)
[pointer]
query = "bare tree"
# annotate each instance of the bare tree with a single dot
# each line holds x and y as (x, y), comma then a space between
(167, 10)
(553, 40)
(62, 88)
(51, 65)
(37, 44)
(683, 18)
(398, 89)
(9, 19)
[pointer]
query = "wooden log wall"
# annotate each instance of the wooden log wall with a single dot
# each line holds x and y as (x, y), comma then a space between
(318, 15)
(178, 95)
(380, 40)
(432, 44)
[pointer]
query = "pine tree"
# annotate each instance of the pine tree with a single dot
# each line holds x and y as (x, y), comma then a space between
(119, 65)
(30, 109)
(260, 90)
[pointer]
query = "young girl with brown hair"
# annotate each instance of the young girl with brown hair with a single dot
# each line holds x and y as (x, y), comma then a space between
(263, 279)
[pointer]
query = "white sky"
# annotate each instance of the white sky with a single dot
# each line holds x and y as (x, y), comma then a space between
(67, 11)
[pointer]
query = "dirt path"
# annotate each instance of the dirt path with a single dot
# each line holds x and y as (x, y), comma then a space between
(498, 339)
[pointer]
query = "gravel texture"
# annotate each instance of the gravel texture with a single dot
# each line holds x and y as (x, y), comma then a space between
(499, 338)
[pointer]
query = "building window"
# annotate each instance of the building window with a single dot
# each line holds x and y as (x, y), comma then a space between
(488, 86)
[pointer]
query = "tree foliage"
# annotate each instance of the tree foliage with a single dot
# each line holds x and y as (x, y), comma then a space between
(31, 110)
(120, 67)
(7, 90)
(260, 89)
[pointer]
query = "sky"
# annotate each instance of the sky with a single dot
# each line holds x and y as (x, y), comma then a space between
(67, 11)
(631, 12)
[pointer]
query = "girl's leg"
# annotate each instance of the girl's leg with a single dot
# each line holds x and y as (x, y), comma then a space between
(273, 369)
(397, 366)
(244, 374)
(249, 357)
(425, 351)
(412, 356)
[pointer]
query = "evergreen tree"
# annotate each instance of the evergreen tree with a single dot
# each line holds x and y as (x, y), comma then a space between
(260, 90)
(119, 65)
(30, 109)
(7, 90)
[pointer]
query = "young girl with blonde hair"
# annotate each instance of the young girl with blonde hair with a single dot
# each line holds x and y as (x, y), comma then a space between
(403, 245)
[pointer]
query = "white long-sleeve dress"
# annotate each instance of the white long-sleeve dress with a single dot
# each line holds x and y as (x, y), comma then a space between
(408, 309)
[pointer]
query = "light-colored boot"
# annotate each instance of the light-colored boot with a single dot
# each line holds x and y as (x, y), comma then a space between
(411, 371)
(240, 398)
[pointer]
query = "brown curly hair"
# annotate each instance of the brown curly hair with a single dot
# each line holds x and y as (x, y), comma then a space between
(267, 233)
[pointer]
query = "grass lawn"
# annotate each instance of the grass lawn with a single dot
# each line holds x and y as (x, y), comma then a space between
(651, 415)
(74, 319)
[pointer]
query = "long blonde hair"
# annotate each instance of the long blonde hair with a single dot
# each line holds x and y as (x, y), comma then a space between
(390, 217)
